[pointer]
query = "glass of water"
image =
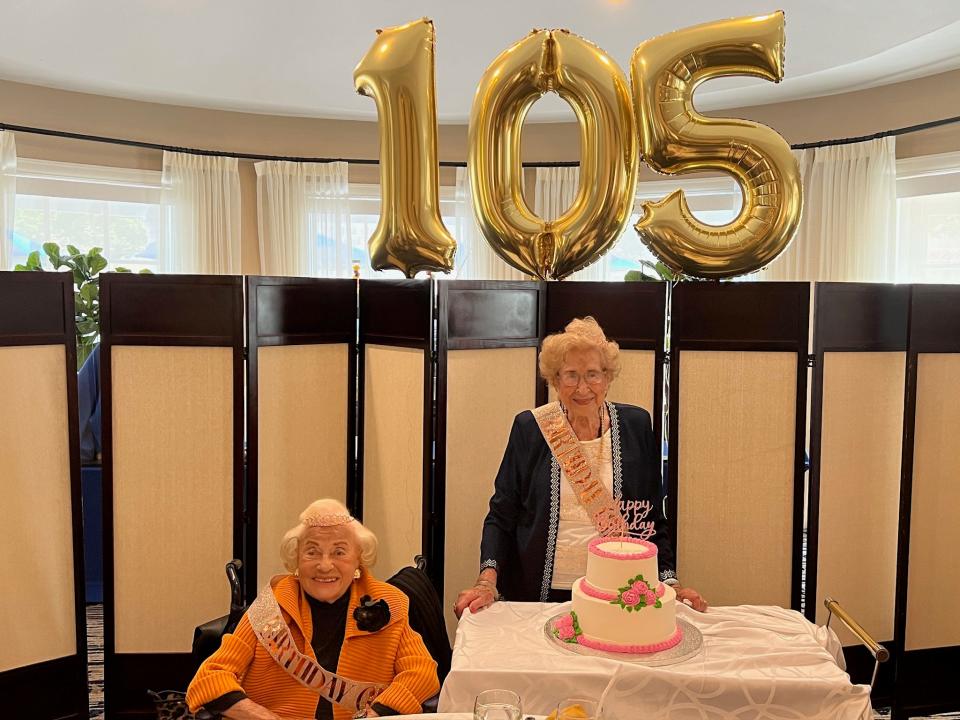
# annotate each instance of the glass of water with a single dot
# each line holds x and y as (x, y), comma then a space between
(497, 705)
(578, 709)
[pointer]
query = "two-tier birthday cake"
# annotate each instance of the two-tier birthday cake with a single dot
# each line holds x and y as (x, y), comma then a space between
(621, 605)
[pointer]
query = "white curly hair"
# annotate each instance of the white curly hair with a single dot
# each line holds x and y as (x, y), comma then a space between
(327, 507)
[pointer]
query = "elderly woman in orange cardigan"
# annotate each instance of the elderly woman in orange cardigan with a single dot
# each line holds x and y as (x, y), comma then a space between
(327, 641)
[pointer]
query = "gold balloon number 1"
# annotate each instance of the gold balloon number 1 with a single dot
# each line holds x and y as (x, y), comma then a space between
(398, 72)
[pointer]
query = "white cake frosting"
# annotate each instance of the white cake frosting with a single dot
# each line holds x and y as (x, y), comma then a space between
(602, 597)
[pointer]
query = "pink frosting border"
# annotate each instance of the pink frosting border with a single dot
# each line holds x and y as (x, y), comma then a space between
(604, 646)
(595, 592)
(599, 594)
(650, 550)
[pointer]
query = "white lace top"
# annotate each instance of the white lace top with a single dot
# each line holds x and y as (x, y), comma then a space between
(575, 529)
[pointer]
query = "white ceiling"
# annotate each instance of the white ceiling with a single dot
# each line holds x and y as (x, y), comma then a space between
(296, 57)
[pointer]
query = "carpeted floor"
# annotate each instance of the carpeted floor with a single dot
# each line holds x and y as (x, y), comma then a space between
(95, 655)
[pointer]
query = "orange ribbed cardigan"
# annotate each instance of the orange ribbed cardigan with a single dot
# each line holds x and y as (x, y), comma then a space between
(395, 654)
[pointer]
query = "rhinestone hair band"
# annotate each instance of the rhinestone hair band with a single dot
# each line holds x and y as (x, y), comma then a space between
(327, 520)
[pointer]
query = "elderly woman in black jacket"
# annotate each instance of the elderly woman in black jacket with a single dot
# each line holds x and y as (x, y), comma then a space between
(548, 503)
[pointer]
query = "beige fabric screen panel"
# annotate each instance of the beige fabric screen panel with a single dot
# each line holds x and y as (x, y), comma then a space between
(860, 447)
(478, 426)
(302, 438)
(393, 453)
(737, 431)
(172, 492)
(933, 570)
(635, 384)
(37, 609)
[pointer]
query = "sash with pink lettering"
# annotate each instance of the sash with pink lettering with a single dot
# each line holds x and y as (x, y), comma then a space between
(602, 509)
(274, 634)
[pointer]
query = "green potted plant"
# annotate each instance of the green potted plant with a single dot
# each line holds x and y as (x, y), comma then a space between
(86, 268)
(653, 272)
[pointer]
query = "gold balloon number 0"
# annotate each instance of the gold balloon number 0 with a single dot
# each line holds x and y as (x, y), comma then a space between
(398, 72)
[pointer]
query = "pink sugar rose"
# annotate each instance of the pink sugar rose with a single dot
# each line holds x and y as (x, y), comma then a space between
(631, 596)
(650, 597)
(565, 621)
(640, 586)
(661, 589)
(565, 632)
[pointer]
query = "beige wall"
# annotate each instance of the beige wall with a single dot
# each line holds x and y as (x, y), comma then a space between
(845, 115)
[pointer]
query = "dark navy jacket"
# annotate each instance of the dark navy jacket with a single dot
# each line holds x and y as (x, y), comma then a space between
(520, 530)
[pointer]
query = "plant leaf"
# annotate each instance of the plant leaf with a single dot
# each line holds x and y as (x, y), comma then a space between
(72, 249)
(90, 292)
(53, 252)
(97, 263)
(33, 261)
(121, 269)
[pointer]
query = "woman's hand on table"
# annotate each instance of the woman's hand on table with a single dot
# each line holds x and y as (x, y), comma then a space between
(247, 709)
(480, 596)
(692, 598)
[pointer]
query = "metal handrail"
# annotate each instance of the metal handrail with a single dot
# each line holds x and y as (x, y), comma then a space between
(879, 652)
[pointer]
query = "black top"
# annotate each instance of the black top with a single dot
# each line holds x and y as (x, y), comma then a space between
(520, 530)
(329, 625)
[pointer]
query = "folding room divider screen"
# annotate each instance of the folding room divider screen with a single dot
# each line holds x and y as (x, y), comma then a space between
(395, 424)
(927, 627)
(856, 433)
(301, 407)
(43, 664)
(173, 385)
(398, 396)
(738, 395)
(488, 334)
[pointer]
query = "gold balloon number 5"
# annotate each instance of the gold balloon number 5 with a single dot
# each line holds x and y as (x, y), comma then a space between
(673, 137)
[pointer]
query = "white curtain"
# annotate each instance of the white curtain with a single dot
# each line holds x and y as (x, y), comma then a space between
(475, 259)
(848, 231)
(555, 191)
(8, 197)
(200, 215)
(303, 214)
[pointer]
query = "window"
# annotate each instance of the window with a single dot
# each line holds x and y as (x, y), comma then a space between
(928, 219)
(365, 214)
(715, 201)
(87, 206)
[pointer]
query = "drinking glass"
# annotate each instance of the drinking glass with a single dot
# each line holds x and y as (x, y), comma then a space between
(578, 709)
(497, 705)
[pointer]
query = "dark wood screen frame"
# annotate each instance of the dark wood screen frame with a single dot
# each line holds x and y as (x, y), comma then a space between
(925, 679)
(398, 313)
(38, 309)
(470, 316)
(303, 311)
(849, 317)
(167, 310)
(748, 316)
(633, 314)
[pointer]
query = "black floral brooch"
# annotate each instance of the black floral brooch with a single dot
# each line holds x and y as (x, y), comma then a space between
(371, 615)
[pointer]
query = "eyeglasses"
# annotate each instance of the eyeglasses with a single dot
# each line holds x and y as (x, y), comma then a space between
(571, 378)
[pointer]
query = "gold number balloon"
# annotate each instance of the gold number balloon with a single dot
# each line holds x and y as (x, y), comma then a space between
(677, 139)
(597, 89)
(398, 73)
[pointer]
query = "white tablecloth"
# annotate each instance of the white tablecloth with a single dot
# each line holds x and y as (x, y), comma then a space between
(756, 662)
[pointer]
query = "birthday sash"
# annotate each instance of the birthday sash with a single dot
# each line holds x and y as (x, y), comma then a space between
(274, 634)
(602, 509)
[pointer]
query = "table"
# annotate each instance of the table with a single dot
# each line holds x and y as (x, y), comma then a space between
(756, 662)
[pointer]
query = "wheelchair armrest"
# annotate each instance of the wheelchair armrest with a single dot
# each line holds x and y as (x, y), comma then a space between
(879, 652)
